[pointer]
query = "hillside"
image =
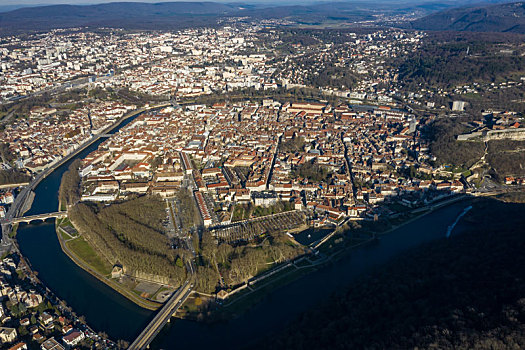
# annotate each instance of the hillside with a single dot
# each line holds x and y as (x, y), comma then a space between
(465, 292)
(508, 17)
(174, 15)
(168, 15)
(177, 15)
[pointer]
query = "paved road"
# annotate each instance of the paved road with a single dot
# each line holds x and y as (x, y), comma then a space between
(162, 317)
(17, 205)
(57, 214)
(170, 307)
(15, 208)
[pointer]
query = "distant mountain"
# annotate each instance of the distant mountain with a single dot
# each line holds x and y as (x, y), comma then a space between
(177, 15)
(508, 17)
(134, 15)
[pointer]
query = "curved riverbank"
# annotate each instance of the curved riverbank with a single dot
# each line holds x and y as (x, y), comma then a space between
(252, 295)
(149, 305)
(276, 309)
(103, 308)
(108, 311)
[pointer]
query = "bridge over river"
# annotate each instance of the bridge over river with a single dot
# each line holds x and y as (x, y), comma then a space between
(43, 217)
(163, 316)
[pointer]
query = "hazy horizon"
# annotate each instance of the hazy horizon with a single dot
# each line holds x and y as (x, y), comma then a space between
(93, 2)
(10, 5)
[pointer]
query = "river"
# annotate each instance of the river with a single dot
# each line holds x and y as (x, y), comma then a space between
(106, 310)
(288, 302)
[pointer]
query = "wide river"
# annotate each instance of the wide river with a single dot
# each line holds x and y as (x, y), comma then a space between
(105, 310)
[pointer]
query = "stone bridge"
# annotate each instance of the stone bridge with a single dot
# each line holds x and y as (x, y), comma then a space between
(43, 217)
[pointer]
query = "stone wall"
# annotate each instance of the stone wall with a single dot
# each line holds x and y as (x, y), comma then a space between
(505, 134)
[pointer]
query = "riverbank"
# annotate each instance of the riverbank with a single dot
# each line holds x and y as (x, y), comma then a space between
(86, 266)
(27, 280)
(275, 310)
(29, 197)
(251, 293)
(454, 293)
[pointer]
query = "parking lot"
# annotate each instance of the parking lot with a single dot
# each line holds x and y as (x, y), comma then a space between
(250, 229)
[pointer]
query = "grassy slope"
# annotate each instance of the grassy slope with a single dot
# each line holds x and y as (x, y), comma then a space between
(84, 251)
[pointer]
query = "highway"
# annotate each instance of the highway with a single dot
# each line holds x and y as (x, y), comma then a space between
(163, 316)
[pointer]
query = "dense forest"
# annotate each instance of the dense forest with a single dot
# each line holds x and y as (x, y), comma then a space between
(237, 264)
(130, 234)
(507, 157)
(13, 177)
(443, 144)
(69, 191)
(504, 157)
(465, 292)
(446, 60)
(484, 17)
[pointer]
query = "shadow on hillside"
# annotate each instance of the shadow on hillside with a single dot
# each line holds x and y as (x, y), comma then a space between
(467, 291)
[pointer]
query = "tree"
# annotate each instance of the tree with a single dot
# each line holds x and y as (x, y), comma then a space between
(22, 331)
(69, 191)
(208, 247)
(131, 234)
(312, 171)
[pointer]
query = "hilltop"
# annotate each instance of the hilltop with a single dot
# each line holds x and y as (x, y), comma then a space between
(177, 15)
(508, 17)
(134, 15)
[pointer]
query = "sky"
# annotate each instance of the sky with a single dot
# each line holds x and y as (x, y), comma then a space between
(12, 4)
(86, 2)
(7, 5)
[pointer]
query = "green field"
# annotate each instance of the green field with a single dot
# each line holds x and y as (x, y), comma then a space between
(64, 235)
(82, 250)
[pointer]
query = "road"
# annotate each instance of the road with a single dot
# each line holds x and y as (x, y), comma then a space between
(171, 306)
(348, 166)
(15, 208)
(272, 163)
(163, 316)
(17, 205)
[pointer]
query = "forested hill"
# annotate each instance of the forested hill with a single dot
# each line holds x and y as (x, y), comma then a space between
(465, 292)
(178, 15)
(492, 18)
(136, 15)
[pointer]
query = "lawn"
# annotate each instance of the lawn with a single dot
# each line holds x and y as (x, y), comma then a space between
(64, 235)
(241, 212)
(84, 251)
